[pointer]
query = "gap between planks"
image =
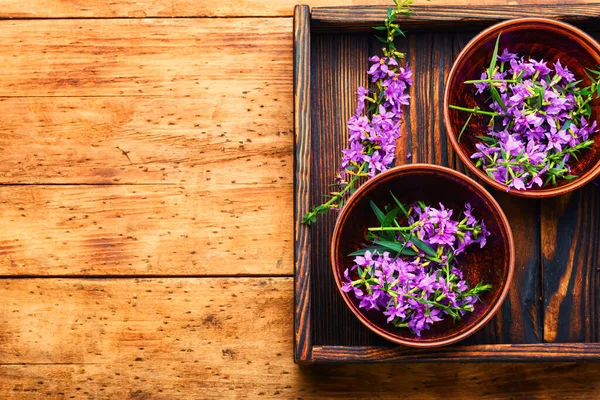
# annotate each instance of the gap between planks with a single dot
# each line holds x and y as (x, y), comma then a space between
(142, 18)
(145, 276)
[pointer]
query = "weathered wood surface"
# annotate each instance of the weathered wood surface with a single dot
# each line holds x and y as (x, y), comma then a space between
(104, 140)
(213, 338)
(441, 17)
(303, 337)
(190, 57)
(201, 112)
(571, 255)
(178, 122)
(338, 62)
(144, 229)
(190, 8)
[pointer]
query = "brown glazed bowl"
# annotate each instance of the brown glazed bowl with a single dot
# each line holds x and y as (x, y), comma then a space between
(530, 37)
(494, 264)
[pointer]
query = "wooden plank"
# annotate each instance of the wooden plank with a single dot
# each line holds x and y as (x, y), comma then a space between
(546, 352)
(213, 338)
(302, 277)
(182, 136)
(162, 8)
(145, 230)
(176, 8)
(455, 17)
(157, 57)
(338, 66)
(149, 140)
(570, 229)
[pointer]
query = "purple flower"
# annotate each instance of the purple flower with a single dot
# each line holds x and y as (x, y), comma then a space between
(362, 96)
(506, 56)
(540, 66)
(396, 312)
(482, 240)
(536, 179)
(445, 233)
(564, 73)
(469, 214)
(481, 86)
(556, 139)
(517, 182)
(512, 146)
(379, 69)
(416, 291)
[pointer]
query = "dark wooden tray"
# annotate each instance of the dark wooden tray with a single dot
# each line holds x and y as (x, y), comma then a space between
(552, 310)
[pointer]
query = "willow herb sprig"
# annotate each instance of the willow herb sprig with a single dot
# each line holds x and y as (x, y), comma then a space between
(409, 270)
(375, 126)
(539, 120)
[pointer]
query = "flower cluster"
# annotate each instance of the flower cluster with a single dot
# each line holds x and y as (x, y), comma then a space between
(372, 140)
(539, 120)
(410, 273)
(375, 127)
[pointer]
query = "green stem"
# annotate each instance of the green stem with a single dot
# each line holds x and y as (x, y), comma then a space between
(475, 111)
(491, 81)
(392, 228)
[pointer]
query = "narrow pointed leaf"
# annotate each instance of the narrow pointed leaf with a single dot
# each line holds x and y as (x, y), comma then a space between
(397, 247)
(400, 205)
(494, 59)
(380, 215)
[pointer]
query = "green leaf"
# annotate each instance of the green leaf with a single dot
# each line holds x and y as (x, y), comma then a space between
(486, 139)
(400, 205)
(390, 217)
(380, 215)
(497, 97)
(566, 125)
(421, 245)
(397, 247)
(381, 39)
(362, 252)
(380, 28)
(464, 127)
(494, 59)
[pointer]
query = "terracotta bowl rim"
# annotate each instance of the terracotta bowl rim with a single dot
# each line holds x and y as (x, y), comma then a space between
(479, 189)
(538, 193)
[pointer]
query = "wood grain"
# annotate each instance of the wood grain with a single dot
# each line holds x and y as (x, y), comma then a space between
(303, 337)
(570, 229)
(170, 122)
(146, 230)
(449, 17)
(336, 72)
(194, 58)
(185, 8)
(213, 338)
(545, 352)
(103, 140)
(338, 65)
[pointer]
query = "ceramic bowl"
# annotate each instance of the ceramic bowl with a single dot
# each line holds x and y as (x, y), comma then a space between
(493, 264)
(532, 37)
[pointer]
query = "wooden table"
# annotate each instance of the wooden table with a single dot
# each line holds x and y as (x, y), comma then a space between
(146, 213)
